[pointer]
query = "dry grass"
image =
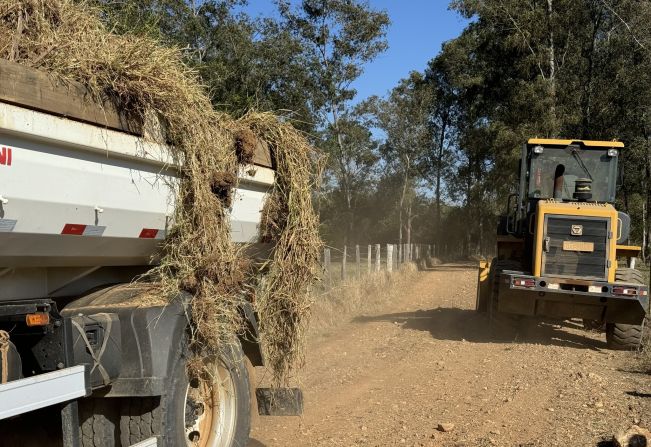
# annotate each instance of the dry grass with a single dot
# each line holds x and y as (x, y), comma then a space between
(141, 77)
(366, 294)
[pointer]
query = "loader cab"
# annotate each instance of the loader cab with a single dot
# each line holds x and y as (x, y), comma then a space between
(560, 171)
(571, 170)
(565, 171)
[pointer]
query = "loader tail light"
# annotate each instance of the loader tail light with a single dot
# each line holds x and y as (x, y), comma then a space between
(37, 319)
(625, 291)
(524, 282)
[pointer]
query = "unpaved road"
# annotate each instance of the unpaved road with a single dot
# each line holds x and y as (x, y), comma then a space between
(390, 378)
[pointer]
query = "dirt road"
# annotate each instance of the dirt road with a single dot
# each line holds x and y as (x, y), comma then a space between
(391, 377)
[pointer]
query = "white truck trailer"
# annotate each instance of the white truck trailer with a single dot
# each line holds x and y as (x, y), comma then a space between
(85, 201)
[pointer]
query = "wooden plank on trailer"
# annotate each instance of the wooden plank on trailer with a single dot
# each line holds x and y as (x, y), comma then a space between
(36, 90)
(262, 155)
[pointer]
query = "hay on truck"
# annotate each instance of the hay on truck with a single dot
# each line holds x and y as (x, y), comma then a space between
(143, 78)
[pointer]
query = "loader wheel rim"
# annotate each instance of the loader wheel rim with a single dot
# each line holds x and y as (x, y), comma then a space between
(211, 409)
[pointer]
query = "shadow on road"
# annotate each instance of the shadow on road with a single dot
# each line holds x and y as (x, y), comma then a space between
(464, 266)
(465, 324)
(255, 443)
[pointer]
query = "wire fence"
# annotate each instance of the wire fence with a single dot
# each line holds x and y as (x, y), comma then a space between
(355, 261)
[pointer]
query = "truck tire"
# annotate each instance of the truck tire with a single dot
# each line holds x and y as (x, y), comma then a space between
(181, 418)
(501, 325)
(98, 420)
(625, 337)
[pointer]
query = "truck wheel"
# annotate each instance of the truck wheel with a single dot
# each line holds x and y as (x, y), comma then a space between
(213, 410)
(98, 419)
(501, 325)
(625, 337)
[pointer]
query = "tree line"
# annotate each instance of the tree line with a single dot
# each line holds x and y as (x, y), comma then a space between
(433, 160)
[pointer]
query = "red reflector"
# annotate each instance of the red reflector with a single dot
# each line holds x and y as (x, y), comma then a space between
(524, 282)
(627, 291)
(75, 229)
(148, 233)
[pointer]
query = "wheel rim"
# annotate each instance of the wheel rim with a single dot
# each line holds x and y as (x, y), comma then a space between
(211, 408)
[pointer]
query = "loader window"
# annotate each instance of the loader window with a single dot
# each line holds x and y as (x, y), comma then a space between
(577, 162)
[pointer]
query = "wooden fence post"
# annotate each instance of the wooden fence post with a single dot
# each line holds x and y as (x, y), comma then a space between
(399, 257)
(357, 261)
(368, 258)
(326, 266)
(343, 263)
(378, 258)
(389, 258)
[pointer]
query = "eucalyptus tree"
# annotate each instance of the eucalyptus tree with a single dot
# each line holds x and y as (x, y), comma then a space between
(338, 38)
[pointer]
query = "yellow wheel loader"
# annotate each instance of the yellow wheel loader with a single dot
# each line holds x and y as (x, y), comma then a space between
(562, 247)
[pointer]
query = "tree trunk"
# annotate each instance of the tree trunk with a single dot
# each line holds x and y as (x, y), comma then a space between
(553, 130)
(344, 180)
(647, 179)
(586, 102)
(439, 175)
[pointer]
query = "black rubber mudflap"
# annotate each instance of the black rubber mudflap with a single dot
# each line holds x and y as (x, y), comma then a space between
(279, 401)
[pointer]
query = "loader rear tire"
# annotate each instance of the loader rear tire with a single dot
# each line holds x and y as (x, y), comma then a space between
(502, 326)
(625, 337)
(483, 299)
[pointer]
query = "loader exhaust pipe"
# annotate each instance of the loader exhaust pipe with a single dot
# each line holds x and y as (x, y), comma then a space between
(558, 182)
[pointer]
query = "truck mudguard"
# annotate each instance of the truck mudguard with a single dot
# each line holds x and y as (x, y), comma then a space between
(152, 336)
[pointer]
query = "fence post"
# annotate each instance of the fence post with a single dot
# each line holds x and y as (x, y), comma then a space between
(378, 258)
(417, 252)
(399, 257)
(389, 258)
(357, 261)
(343, 264)
(368, 256)
(326, 265)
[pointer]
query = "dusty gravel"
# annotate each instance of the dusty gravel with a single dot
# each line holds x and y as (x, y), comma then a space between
(424, 372)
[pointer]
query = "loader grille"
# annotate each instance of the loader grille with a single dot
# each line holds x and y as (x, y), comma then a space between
(566, 262)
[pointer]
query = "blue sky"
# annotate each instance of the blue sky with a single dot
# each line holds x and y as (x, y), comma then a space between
(418, 28)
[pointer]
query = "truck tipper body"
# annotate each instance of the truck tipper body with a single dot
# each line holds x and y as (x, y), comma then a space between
(85, 203)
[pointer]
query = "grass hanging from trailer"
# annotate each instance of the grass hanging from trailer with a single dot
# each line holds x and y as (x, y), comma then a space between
(143, 78)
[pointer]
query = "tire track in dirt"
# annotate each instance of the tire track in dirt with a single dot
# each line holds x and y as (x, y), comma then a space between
(389, 378)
